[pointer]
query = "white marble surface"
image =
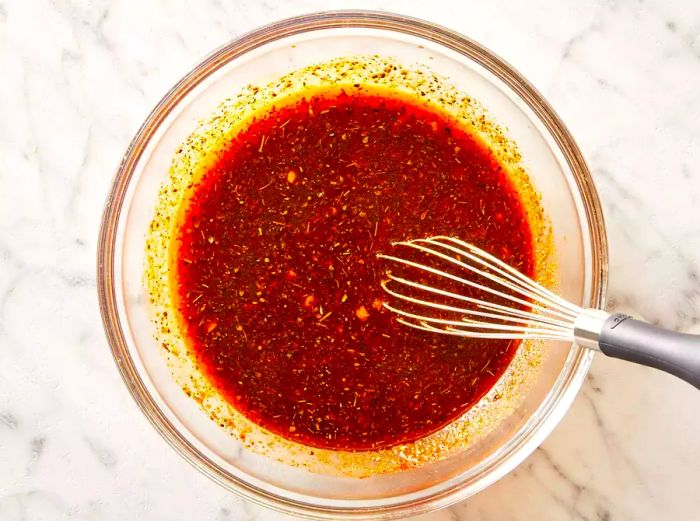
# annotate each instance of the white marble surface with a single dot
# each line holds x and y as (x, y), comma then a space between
(76, 80)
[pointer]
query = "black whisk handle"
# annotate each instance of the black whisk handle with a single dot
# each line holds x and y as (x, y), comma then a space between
(635, 341)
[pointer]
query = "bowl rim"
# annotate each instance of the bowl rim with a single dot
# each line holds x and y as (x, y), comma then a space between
(107, 294)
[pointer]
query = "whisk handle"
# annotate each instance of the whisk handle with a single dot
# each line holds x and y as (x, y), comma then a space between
(641, 343)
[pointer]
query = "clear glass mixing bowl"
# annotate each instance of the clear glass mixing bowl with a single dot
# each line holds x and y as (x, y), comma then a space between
(557, 171)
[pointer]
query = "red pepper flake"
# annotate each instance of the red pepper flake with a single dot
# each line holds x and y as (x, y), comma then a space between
(309, 302)
(291, 177)
(362, 313)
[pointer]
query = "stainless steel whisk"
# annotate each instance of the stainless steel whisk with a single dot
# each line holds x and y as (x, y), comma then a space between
(493, 300)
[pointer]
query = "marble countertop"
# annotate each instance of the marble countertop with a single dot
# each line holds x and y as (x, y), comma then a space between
(77, 79)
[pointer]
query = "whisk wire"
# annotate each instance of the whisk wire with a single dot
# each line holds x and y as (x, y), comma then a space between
(473, 284)
(476, 334)
(462, 325)
(510, 278)
(505, 313)
(546, 315)
(488, 260)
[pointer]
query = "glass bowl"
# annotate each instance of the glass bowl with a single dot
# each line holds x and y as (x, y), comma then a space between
(556, 168)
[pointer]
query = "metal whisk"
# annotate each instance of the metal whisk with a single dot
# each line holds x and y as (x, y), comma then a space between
(448, 286)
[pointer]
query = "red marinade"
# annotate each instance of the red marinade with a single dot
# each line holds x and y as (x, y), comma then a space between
(279, 284)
